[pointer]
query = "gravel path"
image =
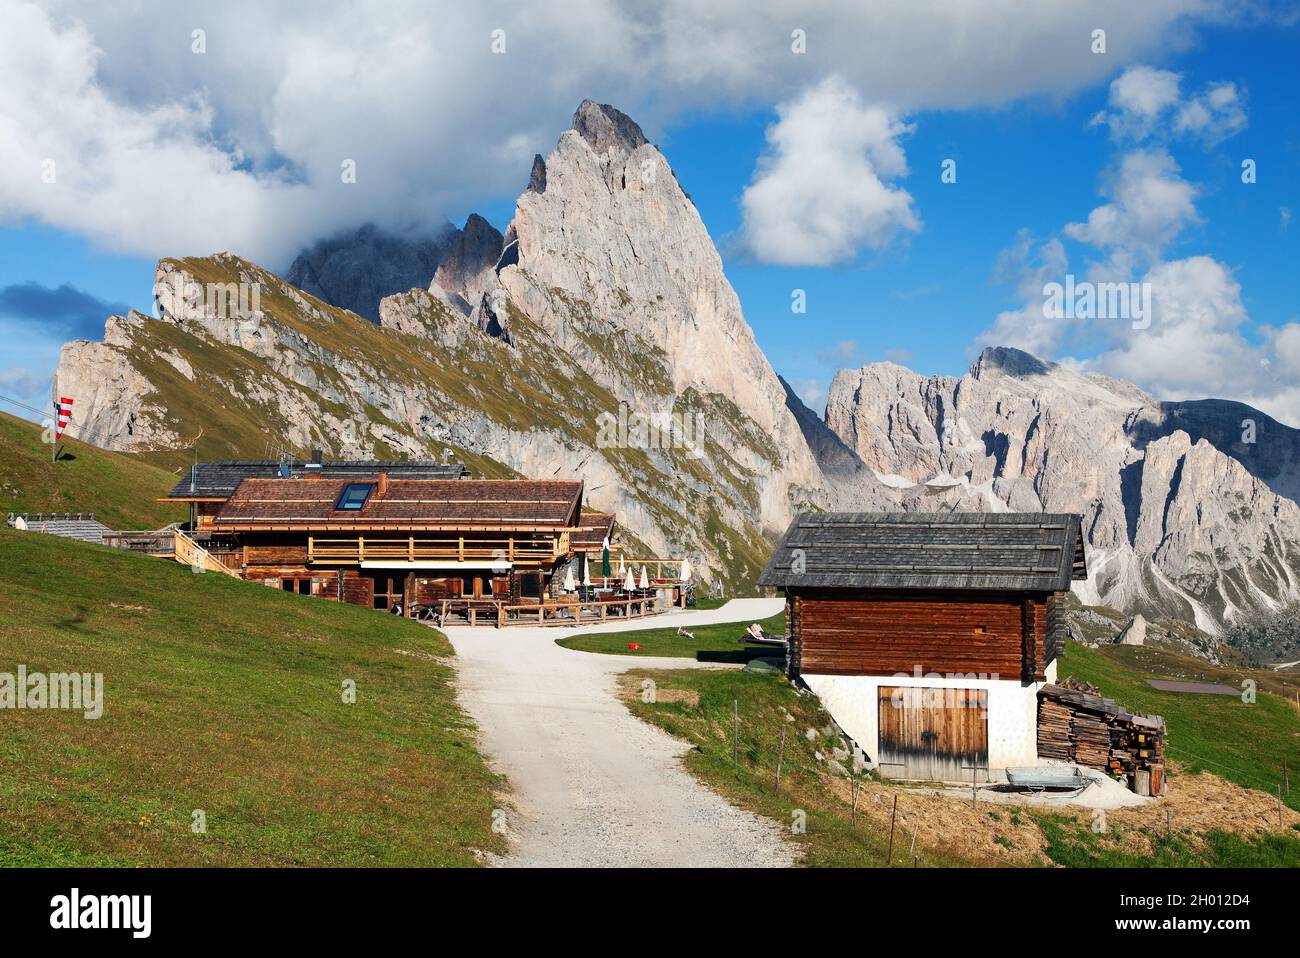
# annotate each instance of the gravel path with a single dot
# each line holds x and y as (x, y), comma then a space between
(592, 785)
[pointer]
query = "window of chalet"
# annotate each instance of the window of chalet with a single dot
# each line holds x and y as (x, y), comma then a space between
(530, 585)
(354, 496)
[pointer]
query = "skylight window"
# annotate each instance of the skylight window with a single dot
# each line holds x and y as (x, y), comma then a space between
(354, 496)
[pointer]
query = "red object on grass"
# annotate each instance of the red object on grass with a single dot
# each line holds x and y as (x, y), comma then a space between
(633, 646)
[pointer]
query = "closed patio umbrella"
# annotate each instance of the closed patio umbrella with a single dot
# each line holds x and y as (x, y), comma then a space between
(685, 573)
(568, 579)
(604, 559)
(629, 583)
(645, 579)
(586, 573)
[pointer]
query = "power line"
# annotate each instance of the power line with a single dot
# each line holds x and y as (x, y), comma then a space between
(86, 437)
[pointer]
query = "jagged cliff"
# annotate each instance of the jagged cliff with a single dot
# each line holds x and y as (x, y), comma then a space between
(1184, 519)
(584, 342)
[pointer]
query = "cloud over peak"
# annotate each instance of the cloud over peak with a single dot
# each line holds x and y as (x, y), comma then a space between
(824, 188)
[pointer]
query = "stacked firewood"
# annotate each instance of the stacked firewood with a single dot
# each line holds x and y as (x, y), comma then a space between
(1077, 724)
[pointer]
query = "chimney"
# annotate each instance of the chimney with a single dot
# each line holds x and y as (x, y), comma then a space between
(381, 485)
(316, 455)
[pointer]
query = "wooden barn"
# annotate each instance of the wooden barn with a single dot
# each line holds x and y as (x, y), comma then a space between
(392, 544)
(928, 635)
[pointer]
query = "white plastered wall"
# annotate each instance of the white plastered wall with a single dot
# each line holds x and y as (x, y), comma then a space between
(853, 701)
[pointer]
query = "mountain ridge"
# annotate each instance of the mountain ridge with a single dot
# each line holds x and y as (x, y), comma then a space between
(606, 297)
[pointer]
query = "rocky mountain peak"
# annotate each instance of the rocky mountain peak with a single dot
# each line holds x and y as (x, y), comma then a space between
(469, 259)
(1184, 519)
(606, 128)
(1011, 361)
(357, 268)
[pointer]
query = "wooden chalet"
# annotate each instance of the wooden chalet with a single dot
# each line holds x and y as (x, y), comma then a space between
(396, 544)
(928, 635)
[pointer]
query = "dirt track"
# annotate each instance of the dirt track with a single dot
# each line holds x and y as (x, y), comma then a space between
(590, 784)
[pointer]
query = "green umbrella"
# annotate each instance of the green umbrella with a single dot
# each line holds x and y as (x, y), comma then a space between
(604, 558)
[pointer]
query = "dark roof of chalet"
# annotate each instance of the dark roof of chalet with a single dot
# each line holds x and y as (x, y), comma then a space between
(593, 529)
(1018, 551)
(217, 480)
(302, 504)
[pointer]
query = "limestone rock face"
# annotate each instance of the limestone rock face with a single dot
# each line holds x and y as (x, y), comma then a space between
(1176, 527)
(468, 263)
(612, 259)
(115, 402)
(1135, 633)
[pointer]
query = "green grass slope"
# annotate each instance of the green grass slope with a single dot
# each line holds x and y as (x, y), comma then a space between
(119, 489)
(227, 697)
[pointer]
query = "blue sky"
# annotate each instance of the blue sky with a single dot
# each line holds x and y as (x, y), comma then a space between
(1031, 159)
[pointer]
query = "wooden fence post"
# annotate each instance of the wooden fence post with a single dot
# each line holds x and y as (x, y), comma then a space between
(889, 855)
(735, 725)
(780, 755)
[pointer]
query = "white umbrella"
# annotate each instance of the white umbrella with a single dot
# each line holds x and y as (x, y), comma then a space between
(685, 573)
(629, 584)
(620, 565)
(568, 579)
(20, 523)
(586, 574)
(645, 579)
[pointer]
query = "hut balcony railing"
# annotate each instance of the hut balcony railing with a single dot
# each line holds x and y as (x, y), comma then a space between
(516, 550)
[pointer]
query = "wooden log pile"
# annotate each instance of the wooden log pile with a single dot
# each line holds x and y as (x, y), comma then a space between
(1077, 724)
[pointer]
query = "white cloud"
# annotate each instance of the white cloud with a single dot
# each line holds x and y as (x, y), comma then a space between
(820, 190)
(1150, 203)
(841, 354)
(1138, 98)
(1028, 265)
(1214, 115)
(1197, 343)
(160, 150)
(1193, 346)
(812, 392)
(1146, 102)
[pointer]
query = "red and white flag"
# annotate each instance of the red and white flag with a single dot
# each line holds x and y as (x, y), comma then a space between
(64, 406)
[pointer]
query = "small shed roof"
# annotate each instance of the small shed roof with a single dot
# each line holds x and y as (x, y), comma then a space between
(306, 504)
(218, 480)
(82, 526)
(1032, 552)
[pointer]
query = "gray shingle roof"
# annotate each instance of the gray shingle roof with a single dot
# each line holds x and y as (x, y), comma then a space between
(1033, 552)
(218, 480)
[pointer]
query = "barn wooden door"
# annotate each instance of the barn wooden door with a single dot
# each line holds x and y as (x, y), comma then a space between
(933, 734)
